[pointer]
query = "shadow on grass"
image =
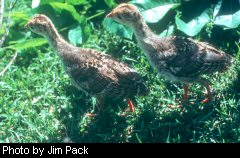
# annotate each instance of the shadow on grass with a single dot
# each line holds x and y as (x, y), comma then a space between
(106, 127)
(194, 122)
(218, 121)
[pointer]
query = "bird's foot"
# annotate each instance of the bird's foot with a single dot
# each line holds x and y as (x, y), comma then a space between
(123, 115)
(126, 113)
(209, 98)
(186, 88)
(91, 115)
(175, 106)
(206, 101)
(131, 106)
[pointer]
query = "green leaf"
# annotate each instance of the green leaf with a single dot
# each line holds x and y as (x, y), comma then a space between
(50, 1)
(16, 35)
(110, 3)
(139, 140)
(75, 35)
(155, 14)
(149, 4)
(194, 26)
(155, 10)
(60, 7)
(168, 137)
(167, 32)
(229, 21)
(86, 32)
(31, 43)
(35, 3)
(76, 2)
(217, 9)
(117, 28)
(20, 18)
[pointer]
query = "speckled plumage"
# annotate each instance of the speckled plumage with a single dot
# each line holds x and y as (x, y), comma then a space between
(95, 73)
(100, 75)
(185, 60)
(176, 58)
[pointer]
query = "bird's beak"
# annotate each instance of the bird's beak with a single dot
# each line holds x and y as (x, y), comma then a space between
(27, 25)
(110, 15)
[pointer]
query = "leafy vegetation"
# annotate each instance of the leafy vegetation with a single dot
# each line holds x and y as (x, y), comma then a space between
(39, 104)
(189, 17)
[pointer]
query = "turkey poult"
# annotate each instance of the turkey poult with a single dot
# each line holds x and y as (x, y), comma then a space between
(95, 73)
(176, 58)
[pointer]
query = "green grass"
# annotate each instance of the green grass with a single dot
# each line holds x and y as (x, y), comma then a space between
(39, 104)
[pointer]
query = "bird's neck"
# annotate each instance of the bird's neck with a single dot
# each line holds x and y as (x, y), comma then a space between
(62, 47)
(144, 34)
(141, 29)
(148, 41)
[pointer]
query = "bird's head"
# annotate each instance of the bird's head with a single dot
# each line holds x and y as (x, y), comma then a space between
(126, 14)
(40, 24)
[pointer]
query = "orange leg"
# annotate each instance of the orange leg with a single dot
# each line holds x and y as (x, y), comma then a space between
(131, 107)
(130, 103)
(209, 94)
(186, 88)
(100, 104)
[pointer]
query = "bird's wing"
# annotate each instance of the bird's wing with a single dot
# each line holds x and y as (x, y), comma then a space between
(190, 58)
(100, 74)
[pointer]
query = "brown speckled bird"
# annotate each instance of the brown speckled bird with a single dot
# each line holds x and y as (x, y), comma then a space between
(176, 58)
(93, 72)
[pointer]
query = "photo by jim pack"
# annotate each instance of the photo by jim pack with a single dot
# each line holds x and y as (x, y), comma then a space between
(8, 150)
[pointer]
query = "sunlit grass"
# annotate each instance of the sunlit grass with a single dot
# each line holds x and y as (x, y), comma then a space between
(39, 104)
